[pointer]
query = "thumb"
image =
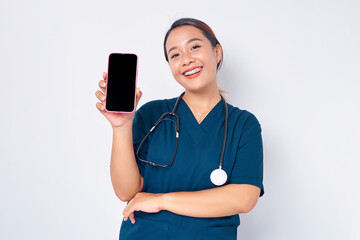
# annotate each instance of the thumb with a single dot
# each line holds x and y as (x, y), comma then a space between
(138, 95)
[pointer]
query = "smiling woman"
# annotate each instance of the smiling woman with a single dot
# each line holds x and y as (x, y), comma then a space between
(198, 161)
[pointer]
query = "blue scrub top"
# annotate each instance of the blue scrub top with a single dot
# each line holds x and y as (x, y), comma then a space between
(198, 154)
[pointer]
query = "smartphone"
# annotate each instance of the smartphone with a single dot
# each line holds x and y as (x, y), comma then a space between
(121, 83)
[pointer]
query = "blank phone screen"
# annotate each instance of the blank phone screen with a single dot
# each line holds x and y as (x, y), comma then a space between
(121, 82)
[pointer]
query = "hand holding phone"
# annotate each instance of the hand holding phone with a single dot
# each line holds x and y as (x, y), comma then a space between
(116, 119)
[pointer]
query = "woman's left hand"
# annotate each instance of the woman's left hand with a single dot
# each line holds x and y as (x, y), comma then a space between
(146, 202)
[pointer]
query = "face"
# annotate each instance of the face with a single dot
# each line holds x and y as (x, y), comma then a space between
(192, 58)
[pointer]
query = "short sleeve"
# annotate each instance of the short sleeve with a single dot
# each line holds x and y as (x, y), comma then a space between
(139, 132)
(248, 167)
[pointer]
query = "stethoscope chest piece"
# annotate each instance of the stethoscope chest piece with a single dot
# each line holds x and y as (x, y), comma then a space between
(218, 177)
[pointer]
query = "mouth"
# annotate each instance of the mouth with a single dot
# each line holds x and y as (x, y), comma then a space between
(193, 72)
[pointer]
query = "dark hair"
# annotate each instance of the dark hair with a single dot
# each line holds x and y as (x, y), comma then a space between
(206, 30)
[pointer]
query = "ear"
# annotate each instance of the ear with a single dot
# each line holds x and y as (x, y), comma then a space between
(218, 52)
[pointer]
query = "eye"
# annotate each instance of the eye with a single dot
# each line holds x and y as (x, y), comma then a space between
(175, 55)
(195, 47)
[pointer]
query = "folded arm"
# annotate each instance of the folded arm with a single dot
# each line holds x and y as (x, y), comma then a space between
(217, 202)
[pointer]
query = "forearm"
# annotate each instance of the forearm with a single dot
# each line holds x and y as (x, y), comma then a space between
(125, 175)
(218, 202)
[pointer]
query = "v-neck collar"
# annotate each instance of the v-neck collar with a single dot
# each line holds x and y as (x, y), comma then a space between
(212, 119)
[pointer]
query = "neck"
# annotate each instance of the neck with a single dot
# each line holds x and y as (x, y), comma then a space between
(204, 100)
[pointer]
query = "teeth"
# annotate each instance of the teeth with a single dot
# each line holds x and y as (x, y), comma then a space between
(193, 71)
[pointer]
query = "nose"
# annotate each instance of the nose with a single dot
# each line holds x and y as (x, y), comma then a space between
(187, 59)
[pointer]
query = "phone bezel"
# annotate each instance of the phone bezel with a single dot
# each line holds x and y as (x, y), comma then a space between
(137, 65)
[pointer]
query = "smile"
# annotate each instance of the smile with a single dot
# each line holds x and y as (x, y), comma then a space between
(193, 71)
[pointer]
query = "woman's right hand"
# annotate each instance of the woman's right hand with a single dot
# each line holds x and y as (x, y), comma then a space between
(115, 119)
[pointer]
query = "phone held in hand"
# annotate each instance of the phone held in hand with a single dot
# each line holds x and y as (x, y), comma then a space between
(121, 83)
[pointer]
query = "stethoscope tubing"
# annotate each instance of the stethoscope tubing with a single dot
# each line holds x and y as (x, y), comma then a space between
(225, 132)
(177, 125)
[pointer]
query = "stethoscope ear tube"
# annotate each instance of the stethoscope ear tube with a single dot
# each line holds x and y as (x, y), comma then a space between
(177, 103)
(177, 125)
(159, 120)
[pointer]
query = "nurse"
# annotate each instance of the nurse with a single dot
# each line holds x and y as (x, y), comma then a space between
(180, 201)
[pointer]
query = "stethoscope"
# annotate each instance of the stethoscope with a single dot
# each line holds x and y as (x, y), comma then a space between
(218, 177)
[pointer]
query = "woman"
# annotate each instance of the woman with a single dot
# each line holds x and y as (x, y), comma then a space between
(180, 201)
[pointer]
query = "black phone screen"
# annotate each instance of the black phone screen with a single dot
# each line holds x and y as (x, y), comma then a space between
(121, 82)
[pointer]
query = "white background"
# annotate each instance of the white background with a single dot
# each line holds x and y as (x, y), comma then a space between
(294, 64)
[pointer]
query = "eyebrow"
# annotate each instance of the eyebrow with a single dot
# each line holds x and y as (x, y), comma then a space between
(191, 40)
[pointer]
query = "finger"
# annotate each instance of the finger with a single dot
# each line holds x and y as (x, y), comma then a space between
(102, 85)
(126, 215)
(132, 218)
(100, 107)
(129, 210)
(125, 212)
(100, 96)
(105, 76)
(138, 95)
(129, 214)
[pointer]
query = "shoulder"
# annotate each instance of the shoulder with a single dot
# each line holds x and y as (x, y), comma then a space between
(157, 105)
(241, 117)
(152, 110)
(246, 127)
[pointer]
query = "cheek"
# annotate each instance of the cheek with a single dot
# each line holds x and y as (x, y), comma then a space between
(207, 57)
(212, 62)
(174, 68)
